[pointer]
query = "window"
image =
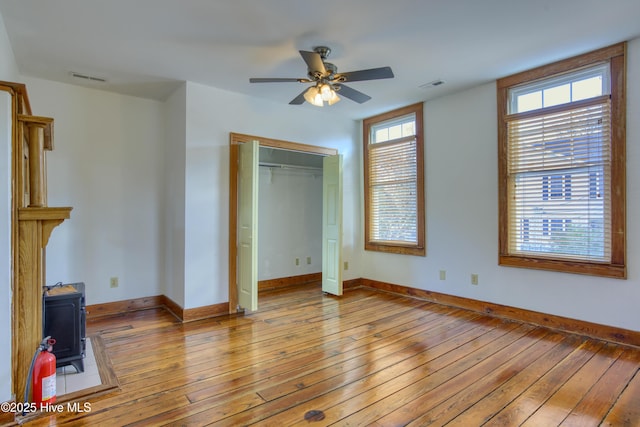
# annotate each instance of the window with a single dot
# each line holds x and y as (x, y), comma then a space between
(394, 182)
(561, 164)
(556, 187)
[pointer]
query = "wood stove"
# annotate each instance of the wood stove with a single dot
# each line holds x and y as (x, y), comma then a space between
(65, 321)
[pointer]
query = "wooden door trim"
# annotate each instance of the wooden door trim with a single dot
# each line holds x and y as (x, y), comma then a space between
(234, 140)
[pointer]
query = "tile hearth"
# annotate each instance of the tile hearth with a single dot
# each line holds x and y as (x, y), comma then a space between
(68, 380)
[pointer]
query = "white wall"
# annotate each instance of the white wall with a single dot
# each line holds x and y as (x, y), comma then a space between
(8, 66)
(108, 164)
(462, 211)
(213, 113)
(289, 222)
(175, 194)
(8, 72)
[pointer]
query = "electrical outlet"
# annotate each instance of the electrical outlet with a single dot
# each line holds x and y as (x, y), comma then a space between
(308, 260)
(474, 279)
(114, 282)
(443, 275)
(297, 261)
(346, 265)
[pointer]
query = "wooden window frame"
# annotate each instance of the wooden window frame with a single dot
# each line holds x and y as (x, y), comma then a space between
(616, 267)
(394, 247)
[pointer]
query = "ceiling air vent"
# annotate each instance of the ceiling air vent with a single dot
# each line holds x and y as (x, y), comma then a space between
(434, 83)
(86, 77)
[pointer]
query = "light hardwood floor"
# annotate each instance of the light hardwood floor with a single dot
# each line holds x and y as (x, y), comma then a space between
(367, 358)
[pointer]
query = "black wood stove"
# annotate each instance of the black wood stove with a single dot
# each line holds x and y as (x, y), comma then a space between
(65, 321)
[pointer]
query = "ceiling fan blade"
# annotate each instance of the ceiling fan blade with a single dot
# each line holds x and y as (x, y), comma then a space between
(353, 94)
(298, 99)
(314, 61)
(370, 74)
(276, 80)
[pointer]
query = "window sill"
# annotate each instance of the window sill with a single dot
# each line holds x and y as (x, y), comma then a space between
(565, 266)
(396, 249)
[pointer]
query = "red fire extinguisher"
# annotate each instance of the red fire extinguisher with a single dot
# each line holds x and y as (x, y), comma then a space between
(44, 374)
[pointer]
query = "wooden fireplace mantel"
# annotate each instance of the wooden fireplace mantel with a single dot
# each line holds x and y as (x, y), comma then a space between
(34, 229)
(48, 218)
(32, 223)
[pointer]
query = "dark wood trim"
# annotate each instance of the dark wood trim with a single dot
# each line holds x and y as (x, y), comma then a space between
(503, 176)
(184, 315)
(205, 312)
(233, 224)
(105, 368)
(117, 307)
(284, 282)
(564, 324)
(24, 106)
(348, 285)
(173, 307)
(239, 138)
(618, 159)
(566, 266)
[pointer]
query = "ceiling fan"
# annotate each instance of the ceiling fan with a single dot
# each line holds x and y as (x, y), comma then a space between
(327, 81)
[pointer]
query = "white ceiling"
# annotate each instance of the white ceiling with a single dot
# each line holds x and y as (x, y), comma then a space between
(147, 47)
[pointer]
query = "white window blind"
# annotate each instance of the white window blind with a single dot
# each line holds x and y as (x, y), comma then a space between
(559, 173)
(393, 175)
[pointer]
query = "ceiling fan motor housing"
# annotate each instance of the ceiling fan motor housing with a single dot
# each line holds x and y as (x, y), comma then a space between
(323, 51)
(317, 75)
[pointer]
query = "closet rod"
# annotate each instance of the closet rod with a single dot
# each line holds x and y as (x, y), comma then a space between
(281, 166)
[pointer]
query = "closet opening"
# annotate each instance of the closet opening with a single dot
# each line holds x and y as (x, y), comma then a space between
(289, 218)
(280, 161)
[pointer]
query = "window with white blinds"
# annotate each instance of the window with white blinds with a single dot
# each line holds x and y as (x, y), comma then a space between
(394, 201)
(555, 159)
(562, 184)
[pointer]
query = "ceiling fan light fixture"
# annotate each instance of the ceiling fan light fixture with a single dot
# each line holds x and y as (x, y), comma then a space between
(326, 91)
(320, 93)
(313, 96)
(334, 98)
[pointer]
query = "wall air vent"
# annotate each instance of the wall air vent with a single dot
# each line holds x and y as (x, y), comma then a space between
(86, 77)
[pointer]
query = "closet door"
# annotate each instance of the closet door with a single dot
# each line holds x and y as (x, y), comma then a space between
(332, 225)
(248, 226)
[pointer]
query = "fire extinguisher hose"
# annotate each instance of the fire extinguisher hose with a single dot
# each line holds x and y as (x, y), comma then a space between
(27, 389)
(43, 346)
